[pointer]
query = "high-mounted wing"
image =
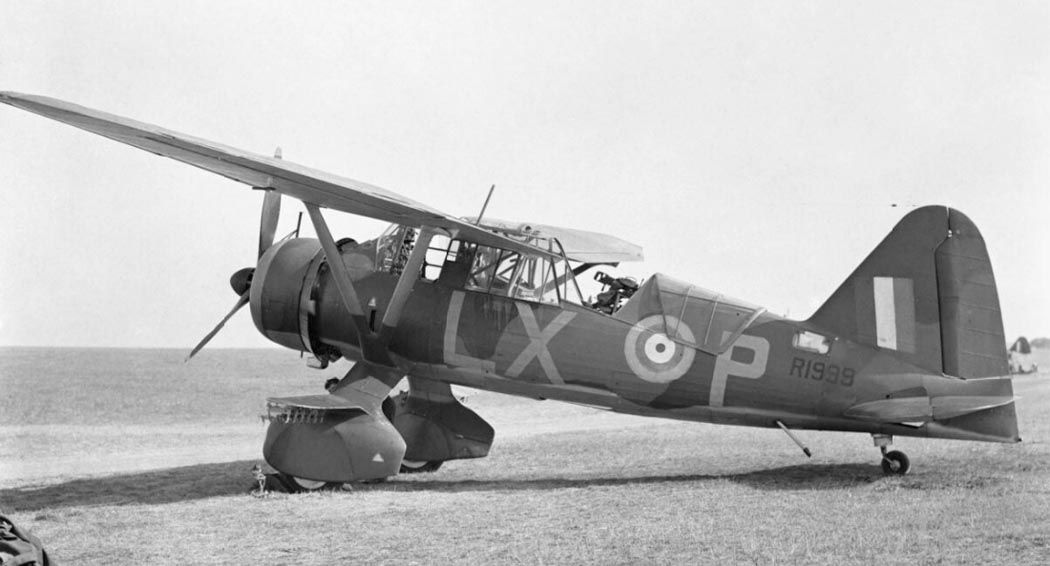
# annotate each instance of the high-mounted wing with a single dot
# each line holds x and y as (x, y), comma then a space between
(297, 181)
(579, 245)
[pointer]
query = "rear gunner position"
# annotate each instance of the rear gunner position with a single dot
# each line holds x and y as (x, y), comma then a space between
(910, 344)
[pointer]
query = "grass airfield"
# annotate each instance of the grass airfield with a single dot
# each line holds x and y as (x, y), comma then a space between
(131, 457)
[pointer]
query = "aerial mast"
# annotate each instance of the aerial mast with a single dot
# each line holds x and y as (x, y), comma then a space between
(484, 206)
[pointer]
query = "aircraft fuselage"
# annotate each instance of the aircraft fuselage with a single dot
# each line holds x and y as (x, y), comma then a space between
(574, 353)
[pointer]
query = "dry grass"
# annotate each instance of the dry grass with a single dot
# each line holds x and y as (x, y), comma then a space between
(569, 485)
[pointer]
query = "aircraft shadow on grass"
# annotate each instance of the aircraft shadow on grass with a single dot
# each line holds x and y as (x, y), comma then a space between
(837, 476)
(203, 481)
(170, 485)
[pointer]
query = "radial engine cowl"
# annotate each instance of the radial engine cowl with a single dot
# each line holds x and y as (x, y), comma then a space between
(276, 290)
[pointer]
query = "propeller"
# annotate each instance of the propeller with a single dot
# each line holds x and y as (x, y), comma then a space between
(241, 281)
(243, 300)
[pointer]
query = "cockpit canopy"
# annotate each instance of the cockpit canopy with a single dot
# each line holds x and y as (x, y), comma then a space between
(690, 315)
(515, 275)
(468, 265)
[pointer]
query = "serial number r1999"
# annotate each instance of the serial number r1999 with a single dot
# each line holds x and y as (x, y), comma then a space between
(822, 371)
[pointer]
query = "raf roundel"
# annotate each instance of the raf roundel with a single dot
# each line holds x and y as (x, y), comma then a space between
(652, 355)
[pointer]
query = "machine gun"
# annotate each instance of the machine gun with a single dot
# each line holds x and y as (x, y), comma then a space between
(615, 290)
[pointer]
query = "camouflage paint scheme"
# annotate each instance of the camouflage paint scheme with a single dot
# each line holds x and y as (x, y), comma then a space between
(573, 353)
(910, 344)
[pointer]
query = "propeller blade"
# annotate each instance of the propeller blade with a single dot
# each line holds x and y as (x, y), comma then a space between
(271, 211)
(243, 300)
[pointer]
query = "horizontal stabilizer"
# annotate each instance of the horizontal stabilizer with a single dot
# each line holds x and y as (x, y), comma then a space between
(325, 402)
(911, 409)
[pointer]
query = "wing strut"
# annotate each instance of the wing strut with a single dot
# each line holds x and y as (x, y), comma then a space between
(367, 339)
(373, 344)
(409, 276)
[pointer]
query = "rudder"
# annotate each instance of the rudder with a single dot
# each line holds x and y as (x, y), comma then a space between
(973, 342)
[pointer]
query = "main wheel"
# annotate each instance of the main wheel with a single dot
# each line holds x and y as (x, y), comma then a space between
(895, 462)
(420, 466)
(303, 485)
(390, 408)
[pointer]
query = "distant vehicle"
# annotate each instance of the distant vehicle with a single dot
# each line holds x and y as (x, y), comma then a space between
(1021, 359)
(910, 344)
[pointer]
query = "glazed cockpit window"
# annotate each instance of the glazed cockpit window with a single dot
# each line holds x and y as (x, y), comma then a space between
(811, 341)
(475, 267)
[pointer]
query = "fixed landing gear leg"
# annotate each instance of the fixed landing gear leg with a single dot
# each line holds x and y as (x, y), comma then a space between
(894, 461)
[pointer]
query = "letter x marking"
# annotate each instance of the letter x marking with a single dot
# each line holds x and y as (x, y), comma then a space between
(538, 340)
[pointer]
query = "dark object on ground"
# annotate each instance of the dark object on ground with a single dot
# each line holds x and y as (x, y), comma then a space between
(20, 547)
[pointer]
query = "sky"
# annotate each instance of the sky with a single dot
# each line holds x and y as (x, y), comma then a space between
(760, 149)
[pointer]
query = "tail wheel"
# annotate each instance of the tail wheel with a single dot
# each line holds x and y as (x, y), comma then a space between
(420, 466)
(895, 462)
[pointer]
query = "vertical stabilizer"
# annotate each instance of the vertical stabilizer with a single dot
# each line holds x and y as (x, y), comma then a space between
(927, 291)
(891, 300)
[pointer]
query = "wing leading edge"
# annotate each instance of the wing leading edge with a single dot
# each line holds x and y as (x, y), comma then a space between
(297, 181)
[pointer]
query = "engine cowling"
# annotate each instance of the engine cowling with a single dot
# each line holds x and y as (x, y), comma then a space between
(276, 295)
(295, 302)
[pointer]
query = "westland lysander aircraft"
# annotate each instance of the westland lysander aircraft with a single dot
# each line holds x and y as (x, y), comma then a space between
(911, 344)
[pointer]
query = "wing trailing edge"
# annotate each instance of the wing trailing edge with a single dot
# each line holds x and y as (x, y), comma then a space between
(579, 245)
